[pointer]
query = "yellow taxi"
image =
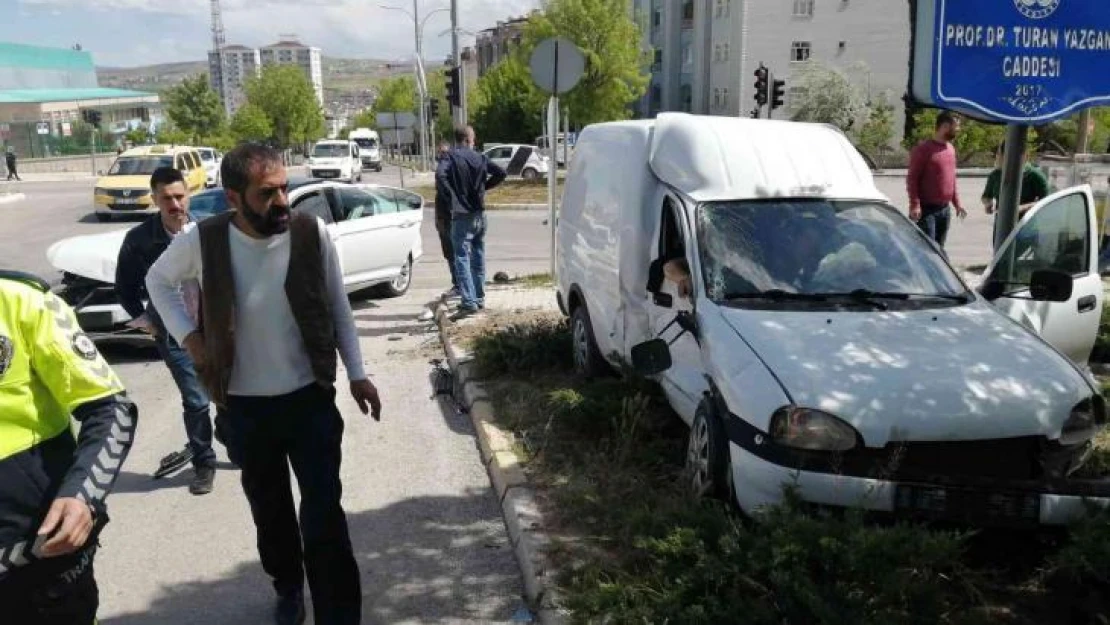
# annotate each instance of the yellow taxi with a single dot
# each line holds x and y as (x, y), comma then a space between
(125, 188)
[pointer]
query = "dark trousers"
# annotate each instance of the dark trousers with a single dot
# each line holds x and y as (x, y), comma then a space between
(934, 222)
(264, 436)
(443, 229)
(194, 401)
(12, 173)
(51, 591)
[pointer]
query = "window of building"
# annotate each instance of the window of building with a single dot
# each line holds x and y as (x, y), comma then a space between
(716, 98)
(656, 17)
(803, 8)
(687, 57)
(724, 97)
(800, 51)
(657, 60)
(687, 12)
(717, 52)
(687, 94)
(724, 52)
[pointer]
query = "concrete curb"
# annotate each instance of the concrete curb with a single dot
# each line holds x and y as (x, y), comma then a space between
(517, 499)
(8, 198)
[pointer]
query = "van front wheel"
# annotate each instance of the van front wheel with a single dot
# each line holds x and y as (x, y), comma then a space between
(708, 471)
(587, 359)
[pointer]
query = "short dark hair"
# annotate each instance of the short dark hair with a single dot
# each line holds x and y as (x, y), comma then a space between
(462, 133)
(166, 175)
(235, 170)
(946, 117)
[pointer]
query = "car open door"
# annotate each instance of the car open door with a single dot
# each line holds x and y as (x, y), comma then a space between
(1057, 233)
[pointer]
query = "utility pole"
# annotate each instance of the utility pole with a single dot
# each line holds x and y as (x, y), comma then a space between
(422, 95)
(459, 112)
(1083, 138)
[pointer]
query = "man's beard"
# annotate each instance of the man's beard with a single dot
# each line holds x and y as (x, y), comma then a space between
(270, 223)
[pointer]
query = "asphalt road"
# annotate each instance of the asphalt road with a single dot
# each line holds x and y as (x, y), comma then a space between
(424, 522)
(427, 530)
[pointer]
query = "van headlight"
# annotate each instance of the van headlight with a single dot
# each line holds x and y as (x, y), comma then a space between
(1085, 420)
(814, 430)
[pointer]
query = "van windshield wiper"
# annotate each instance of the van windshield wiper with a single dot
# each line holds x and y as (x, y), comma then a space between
(875, 298)
(778, 295)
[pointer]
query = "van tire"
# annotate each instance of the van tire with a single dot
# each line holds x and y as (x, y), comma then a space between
(587, 358)
(707, 471)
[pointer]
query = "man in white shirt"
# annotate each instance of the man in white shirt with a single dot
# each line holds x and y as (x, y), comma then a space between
(273, 314)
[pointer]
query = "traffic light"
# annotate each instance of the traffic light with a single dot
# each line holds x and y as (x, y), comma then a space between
(762, 77)
(433, 108)
(91, 117)
(778, 93)
(452, 75)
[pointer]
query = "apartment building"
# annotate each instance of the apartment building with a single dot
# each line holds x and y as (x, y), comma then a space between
(290, 52)
(228, 71)
(706, 51)
(496, 43)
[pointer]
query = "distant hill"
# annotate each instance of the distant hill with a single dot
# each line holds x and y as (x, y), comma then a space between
(342, 77)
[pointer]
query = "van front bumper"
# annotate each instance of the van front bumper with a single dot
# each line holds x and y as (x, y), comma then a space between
(761, 473)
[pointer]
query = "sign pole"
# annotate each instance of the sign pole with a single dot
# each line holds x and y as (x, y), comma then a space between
(1009, 194)
(397, 140)
(552, 172)
(92, 150)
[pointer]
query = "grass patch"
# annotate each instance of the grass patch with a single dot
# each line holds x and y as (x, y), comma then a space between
(607, 459)
(512, 191)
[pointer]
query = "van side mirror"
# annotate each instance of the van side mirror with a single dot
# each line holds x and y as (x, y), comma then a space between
(651, 357)
(1049, 285)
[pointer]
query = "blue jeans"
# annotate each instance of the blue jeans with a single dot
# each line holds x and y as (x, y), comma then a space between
(194, 400)
(935, 221)
(468, 237)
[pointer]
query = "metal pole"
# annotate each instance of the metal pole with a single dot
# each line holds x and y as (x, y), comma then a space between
(566, 139)
(92, 150)
(397, 140)
(1010, 191)
(1084, 136)
(552, 128)
(458, 114)
(420, 84)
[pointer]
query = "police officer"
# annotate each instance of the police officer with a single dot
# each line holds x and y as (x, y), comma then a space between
(52, 481)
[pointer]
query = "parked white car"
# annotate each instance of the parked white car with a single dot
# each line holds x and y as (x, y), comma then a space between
(376, 230)
(335, 158)
(211, 158)
(810, 335)
(519, 160)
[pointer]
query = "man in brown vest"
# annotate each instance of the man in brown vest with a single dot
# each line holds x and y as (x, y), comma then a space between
(273, 314)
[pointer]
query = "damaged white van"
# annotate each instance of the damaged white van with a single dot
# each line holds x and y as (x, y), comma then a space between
(811, 335)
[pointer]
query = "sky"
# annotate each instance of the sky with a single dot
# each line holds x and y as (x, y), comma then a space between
(128, 33)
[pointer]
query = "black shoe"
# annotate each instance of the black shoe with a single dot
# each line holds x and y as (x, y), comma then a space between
(202, 481)
(174, 461)
(290, 609)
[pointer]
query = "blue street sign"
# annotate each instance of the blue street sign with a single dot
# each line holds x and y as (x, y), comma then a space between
(1012, 61)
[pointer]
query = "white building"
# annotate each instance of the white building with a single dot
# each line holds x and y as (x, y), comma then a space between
(706, 51)
(228, 72)
(290, 52)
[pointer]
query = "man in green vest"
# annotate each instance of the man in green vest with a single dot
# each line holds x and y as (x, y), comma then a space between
(1034, 184)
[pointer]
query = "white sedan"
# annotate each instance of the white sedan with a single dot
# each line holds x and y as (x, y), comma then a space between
(376, 230)
(519, 160)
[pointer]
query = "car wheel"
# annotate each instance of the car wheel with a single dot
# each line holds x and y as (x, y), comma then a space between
(587, 357)
(103, 217)
(399, 285)
(529, 174)
(707, 463)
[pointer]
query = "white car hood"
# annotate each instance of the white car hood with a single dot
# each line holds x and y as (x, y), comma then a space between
(91, 255)
(961, 373)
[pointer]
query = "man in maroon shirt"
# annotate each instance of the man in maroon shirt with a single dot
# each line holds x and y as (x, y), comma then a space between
(931, 181)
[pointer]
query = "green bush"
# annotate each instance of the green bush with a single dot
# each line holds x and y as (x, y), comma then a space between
(525, 347)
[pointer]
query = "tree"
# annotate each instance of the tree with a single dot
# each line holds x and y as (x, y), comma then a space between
(287, 98)
(505, 106)
(877, 133)
(194, 108)
(616, 64)
(364, 119)
(138, 136)
(170, 135)
(397, 94)
(975, 138)
(250, 123)
(828, 97)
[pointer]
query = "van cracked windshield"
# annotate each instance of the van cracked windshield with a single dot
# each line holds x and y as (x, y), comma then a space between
(821, 254)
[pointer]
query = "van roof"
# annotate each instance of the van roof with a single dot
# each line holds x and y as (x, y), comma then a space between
(712, 158)
(157, 150)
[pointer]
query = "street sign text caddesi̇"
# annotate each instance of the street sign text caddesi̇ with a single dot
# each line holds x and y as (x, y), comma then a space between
(1012, 61)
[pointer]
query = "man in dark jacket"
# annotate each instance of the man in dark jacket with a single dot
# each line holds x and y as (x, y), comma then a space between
(465, 175)
(443, 223)
(141, 247)
(9, 160)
